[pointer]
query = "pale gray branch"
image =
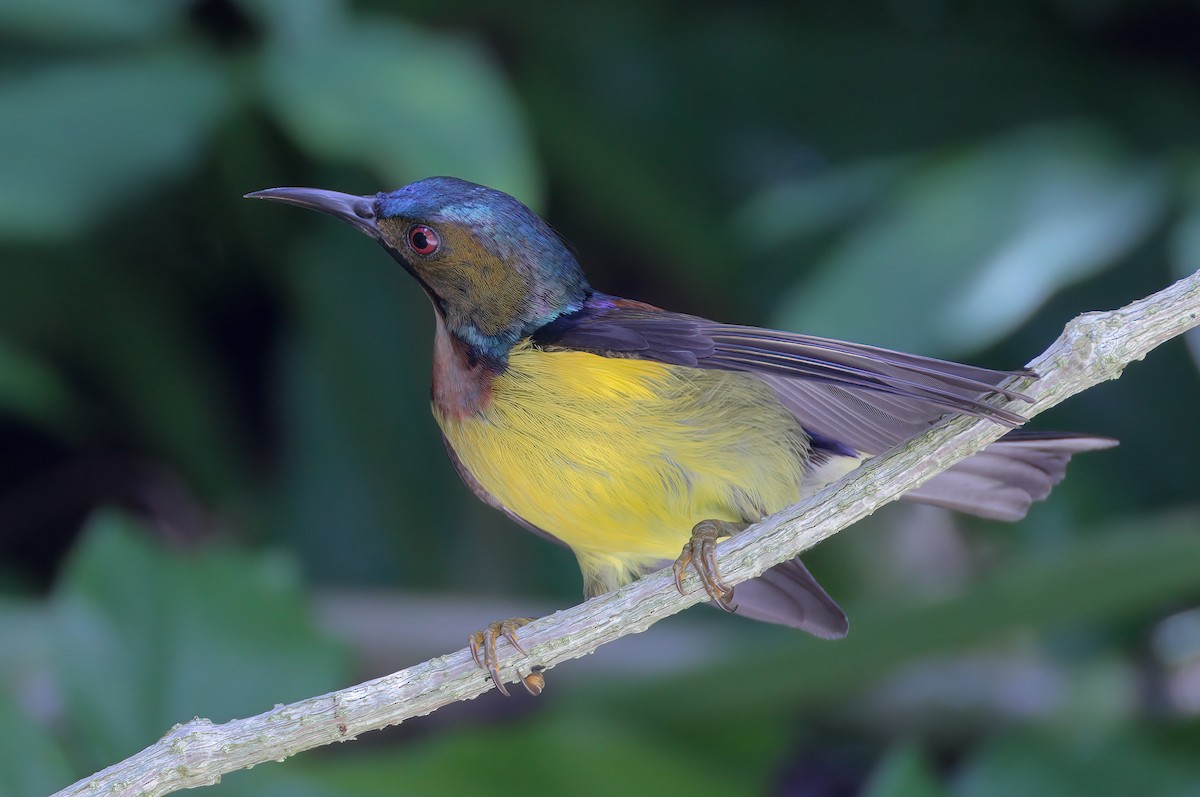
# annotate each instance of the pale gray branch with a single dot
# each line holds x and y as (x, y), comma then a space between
(1093, 348)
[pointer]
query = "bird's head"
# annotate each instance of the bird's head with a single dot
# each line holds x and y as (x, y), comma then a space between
(493, 269)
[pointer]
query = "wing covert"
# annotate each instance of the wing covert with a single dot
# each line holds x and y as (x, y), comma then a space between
(860, 396)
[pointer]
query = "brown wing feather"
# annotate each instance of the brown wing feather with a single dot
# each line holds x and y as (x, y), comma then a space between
(863, 397)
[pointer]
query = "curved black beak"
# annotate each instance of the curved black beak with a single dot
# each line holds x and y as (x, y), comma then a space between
(357, 211)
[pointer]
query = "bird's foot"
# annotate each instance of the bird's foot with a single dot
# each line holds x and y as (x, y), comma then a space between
(535, 682)
(701, 553)
(483, 648)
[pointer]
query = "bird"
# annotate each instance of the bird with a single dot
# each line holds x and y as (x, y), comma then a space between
(639, 437)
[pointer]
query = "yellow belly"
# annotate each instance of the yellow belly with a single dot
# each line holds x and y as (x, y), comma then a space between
(620, 458)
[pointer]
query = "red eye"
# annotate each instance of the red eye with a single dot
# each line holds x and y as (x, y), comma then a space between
(423, 240)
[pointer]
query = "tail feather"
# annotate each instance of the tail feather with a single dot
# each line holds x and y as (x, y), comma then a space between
(787, 594)
(1002, 481)
(999, 482)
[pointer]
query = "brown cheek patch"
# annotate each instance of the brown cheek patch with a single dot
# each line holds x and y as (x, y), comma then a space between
(492, 292)
(478, 287)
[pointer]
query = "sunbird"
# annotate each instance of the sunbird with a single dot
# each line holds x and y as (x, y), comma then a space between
(637, 436)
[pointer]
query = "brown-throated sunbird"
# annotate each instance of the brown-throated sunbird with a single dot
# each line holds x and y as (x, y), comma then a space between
(628, 433)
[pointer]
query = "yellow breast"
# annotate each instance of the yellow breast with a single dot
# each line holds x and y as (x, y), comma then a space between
(619, 458)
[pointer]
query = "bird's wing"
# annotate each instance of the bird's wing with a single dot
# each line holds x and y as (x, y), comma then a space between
(848, 395)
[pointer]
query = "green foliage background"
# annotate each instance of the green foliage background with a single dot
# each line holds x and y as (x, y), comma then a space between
(221, 488)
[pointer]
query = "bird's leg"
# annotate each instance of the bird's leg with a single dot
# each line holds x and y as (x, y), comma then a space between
(483, 646)
(701, 552)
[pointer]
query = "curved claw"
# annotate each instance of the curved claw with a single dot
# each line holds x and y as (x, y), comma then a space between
(483, 646)
(701, 552)
(535, 682)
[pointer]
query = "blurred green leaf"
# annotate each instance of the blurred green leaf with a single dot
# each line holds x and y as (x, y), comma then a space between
(799, 208)
(904, 773)
(82, 138)
(68, 21)
(1036, 764)
(976, 242)
(134, 340)
(26, 648)
(146, 638)
(288, 19)
(403, 101)
(625, 186)
(563, 755)
(31, 389)
(31, 761)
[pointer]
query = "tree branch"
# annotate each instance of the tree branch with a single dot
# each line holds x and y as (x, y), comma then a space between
(1094, 348)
